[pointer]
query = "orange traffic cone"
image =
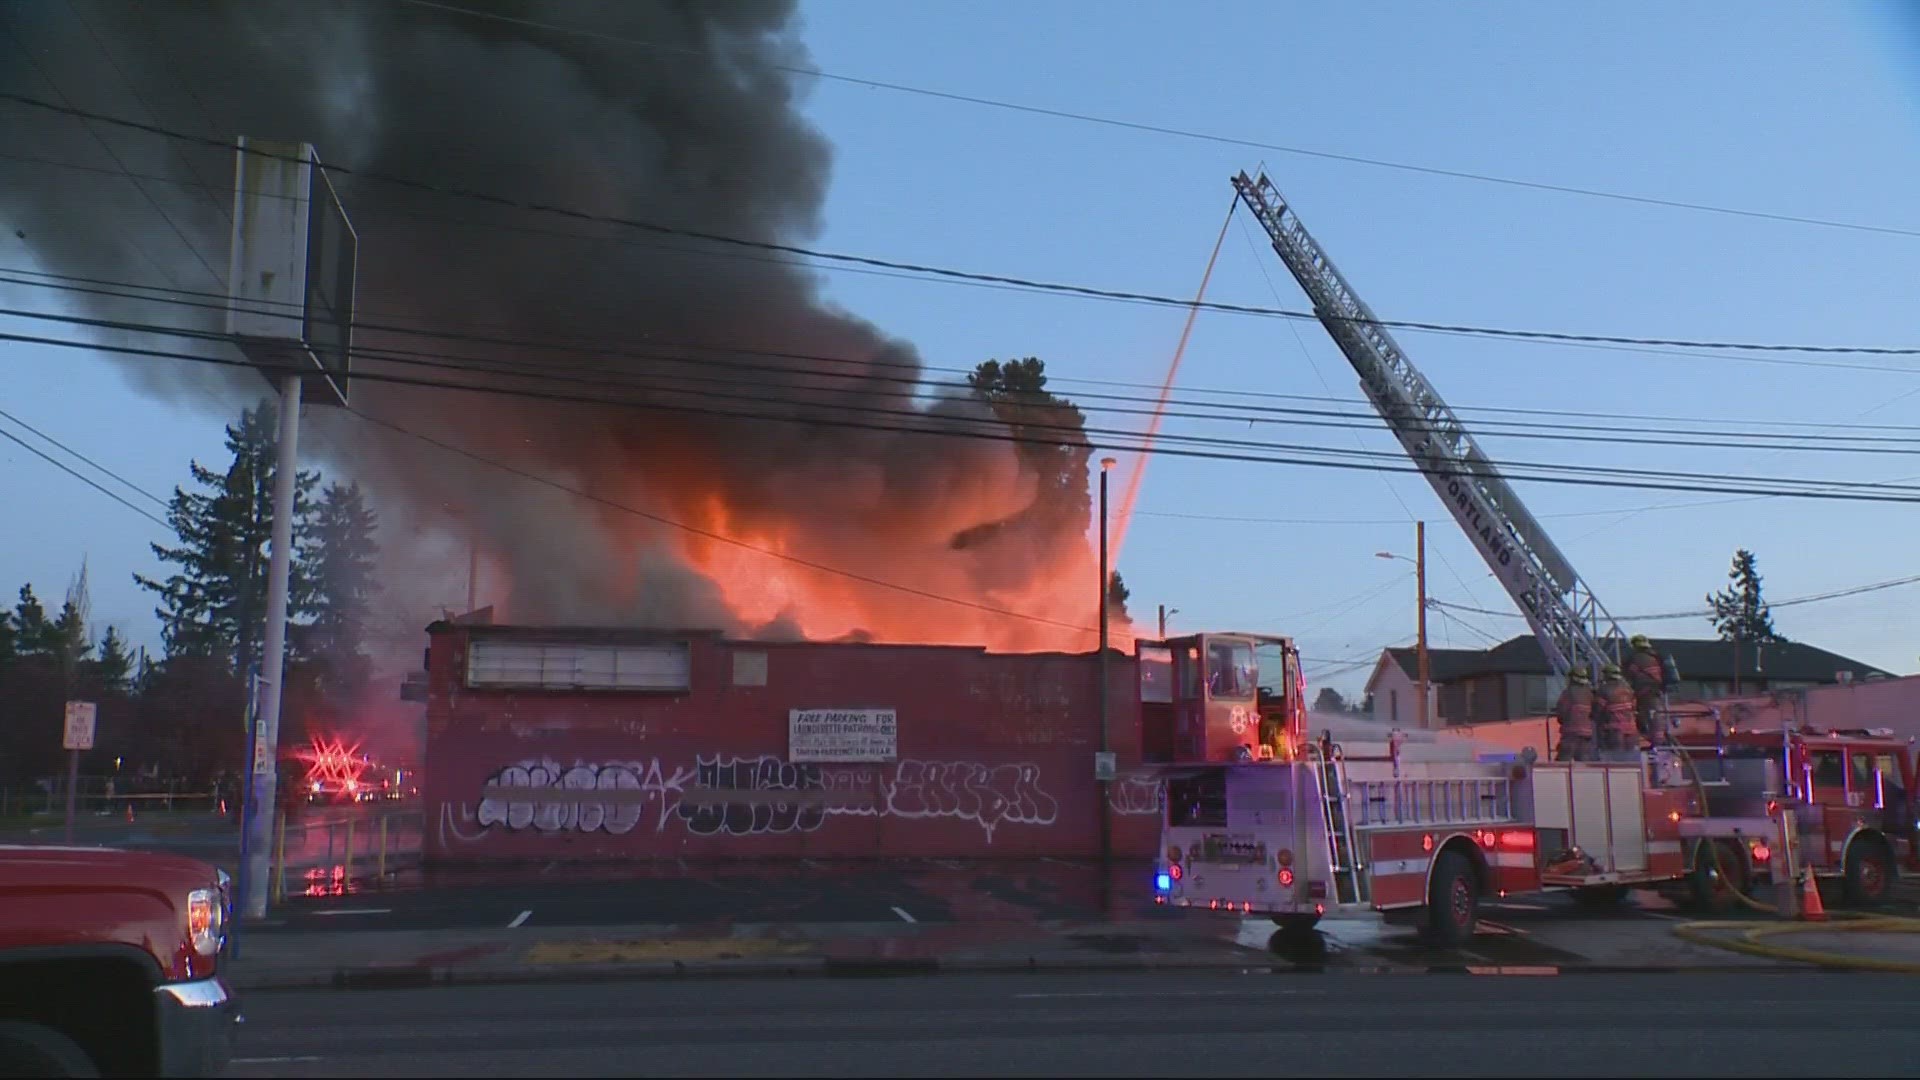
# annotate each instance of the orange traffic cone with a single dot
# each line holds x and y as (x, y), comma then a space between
(1811, 909)
(129, 811)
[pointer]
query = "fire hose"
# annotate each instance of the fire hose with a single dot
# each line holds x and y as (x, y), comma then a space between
(1750, 938)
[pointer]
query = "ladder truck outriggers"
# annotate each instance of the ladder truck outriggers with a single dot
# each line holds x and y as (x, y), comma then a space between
(1263, 816)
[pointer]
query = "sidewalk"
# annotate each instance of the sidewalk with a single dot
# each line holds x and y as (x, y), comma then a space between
(274, 959)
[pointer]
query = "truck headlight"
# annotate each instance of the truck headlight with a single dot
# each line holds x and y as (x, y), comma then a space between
(206, 920)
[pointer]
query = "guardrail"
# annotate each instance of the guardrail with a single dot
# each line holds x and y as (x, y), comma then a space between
(332, 853)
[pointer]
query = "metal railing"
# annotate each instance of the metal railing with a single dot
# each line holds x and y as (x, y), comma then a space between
(340, 851)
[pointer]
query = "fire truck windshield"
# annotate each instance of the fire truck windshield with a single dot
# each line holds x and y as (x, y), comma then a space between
(1230, 669)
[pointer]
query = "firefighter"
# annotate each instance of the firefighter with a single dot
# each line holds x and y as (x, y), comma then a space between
(1575, 712)
(1613, 711)
(1648, 676)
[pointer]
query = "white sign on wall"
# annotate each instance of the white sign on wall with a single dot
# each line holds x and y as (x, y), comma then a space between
(842, 735)
(78, 732)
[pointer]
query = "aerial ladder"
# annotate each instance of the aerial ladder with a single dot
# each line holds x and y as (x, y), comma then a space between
(1563, 612)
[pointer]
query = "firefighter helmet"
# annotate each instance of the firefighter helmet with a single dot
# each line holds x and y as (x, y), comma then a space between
(1610, 671)
(1578, 674)
(1639, 641)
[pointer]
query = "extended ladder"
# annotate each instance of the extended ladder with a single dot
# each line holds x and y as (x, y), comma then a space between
(1343, 863)
(1561, 610)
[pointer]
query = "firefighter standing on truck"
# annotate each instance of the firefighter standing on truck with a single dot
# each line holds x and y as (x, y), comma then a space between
(1613, 711)
(1575, 712)
(1648, 677)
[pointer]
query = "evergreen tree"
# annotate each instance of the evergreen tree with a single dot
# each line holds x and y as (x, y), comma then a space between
(1053, 440)
(1117, 594)
(9, 637)
(113, 669)
(32, 631)
(339, 567)
(214, 604)
(1329, 701)
(1739, 613)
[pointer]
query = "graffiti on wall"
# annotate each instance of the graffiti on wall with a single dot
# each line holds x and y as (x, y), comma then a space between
(1134, 794)
(724, 795)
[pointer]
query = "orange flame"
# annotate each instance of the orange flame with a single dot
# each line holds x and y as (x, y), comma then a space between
(900, 596)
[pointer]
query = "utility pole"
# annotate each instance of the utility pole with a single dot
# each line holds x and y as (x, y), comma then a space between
(1420, 576)
(1164, 612)
(1106, 578)
(473, 572)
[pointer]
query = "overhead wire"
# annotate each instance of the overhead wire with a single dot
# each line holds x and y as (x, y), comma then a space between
(1191, 446)
(1065, 288)
(861, 371)
(1186, 133)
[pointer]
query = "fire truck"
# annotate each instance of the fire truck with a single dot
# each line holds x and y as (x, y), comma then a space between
(1262, 816)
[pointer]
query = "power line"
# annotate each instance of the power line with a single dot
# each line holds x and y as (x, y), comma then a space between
(1362, 419)
(1185, 133)
(1227, 449)
(1247, 413)
(1699, 613)
(80, 476)
(71, 452)
(657, 228)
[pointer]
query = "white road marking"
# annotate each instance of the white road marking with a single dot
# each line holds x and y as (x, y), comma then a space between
(1507, 905)
(1169, 993)
(904, 916)
(271, 1060)
(1056, 862)
(520, 918)
(357, 911)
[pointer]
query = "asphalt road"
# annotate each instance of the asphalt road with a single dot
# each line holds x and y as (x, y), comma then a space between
(1106, 1024)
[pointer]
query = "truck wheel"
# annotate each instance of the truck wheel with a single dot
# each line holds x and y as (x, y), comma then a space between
(1453, 902)
(1297, 924)
(1712, 886)
(1869, 871)
(28, 1049)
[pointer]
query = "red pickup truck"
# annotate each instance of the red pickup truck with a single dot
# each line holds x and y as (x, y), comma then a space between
(109, 964)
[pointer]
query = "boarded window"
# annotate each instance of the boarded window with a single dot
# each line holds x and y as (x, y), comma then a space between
(563, 666)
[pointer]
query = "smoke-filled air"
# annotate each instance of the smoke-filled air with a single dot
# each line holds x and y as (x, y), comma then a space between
(686, 114)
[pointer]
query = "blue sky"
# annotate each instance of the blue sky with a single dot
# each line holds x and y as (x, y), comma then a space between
(1799, 109)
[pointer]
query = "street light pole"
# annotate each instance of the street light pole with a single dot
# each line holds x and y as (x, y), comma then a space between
(1164, 612)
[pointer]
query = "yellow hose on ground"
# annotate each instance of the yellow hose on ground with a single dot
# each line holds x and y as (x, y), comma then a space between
(1748, 939)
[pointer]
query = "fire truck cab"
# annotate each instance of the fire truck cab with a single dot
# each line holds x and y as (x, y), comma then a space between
(1262, 817)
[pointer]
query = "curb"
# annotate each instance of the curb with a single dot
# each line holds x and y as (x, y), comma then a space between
(397, 977)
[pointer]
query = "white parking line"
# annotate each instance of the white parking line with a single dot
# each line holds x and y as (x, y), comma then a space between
(270, 1060)
(520, 918)
(357, 911)
(904, 916)
(1169, 993)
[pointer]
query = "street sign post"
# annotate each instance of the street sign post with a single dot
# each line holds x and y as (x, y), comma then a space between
(76, 735)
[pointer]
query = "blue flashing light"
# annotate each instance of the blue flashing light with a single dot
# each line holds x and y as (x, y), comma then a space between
(1163, 881)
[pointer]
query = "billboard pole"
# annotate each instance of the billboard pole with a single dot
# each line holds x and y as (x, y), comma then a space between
(291, 291)
(266, 739)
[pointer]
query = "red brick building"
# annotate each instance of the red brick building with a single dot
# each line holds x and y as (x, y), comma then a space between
(593, 743)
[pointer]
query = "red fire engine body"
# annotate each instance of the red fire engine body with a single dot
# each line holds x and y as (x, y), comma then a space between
(1262, 816)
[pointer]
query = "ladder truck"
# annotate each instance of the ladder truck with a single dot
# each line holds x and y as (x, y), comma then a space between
(1262, 816)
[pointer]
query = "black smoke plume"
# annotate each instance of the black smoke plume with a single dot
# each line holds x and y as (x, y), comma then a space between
(682, 113)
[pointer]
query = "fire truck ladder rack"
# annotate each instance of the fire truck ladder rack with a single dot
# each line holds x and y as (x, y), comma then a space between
(1564, 614)
(1349, 883)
